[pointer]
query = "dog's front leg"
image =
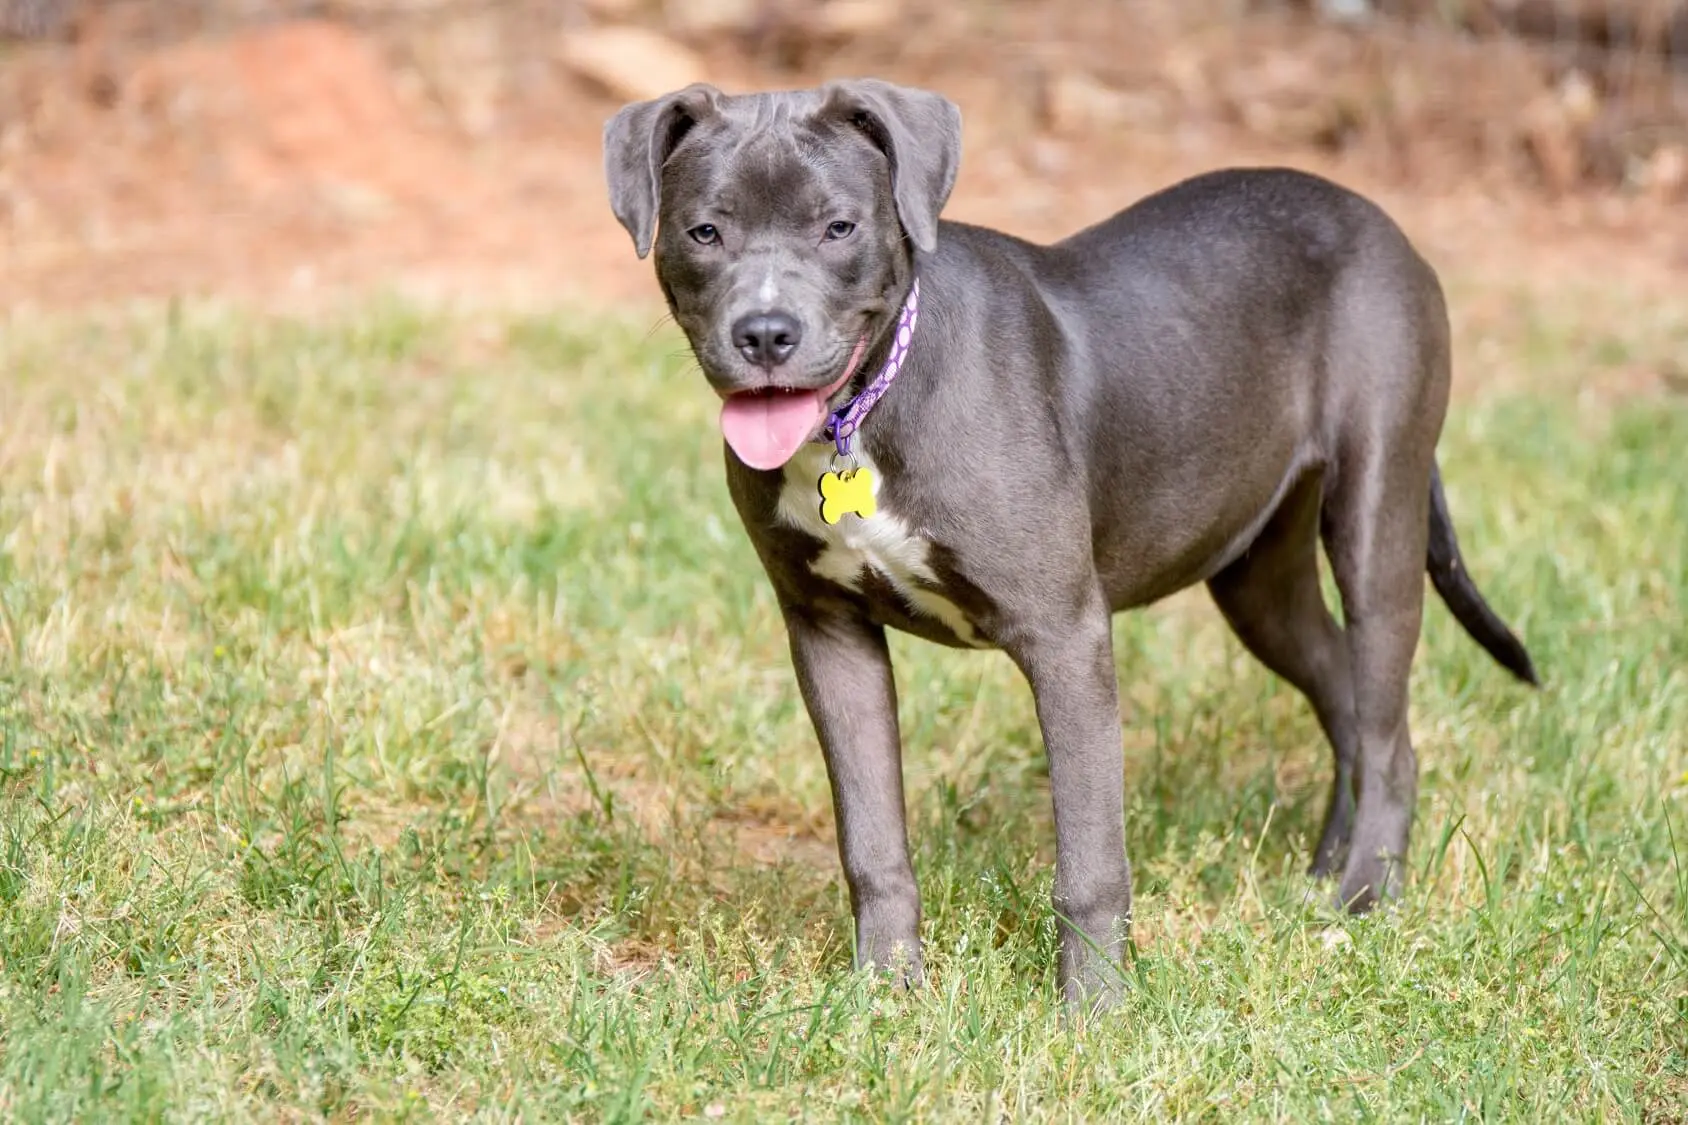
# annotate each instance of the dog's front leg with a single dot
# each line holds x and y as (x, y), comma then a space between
(1070, 665)
(844, 672)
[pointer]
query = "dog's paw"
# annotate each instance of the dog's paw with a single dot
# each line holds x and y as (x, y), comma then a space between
(898, 964)
(1370, 881)
(1093, 975)
(1095, 990)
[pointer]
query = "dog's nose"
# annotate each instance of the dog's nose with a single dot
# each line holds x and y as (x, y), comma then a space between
(767, 339)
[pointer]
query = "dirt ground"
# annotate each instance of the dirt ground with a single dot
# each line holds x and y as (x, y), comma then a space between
(297, 161)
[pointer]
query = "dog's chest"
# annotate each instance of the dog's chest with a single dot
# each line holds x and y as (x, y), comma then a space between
(881, 543)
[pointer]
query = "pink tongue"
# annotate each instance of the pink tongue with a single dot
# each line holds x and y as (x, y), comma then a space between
(766, 429)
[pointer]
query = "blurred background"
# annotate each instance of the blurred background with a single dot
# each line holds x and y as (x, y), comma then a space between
(293, 148)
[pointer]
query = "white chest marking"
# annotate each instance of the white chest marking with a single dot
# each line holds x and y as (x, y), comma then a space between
(881, 542)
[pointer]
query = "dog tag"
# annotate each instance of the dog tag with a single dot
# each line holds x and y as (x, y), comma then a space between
(849, 491)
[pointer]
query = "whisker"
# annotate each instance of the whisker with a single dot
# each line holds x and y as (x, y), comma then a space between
(665, 318)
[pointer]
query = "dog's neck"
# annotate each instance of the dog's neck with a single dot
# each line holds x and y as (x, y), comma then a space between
(842, 426)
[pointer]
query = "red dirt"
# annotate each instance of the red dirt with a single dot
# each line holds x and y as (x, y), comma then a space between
(299, 161)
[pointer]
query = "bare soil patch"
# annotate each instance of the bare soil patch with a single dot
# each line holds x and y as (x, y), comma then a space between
(297, 160)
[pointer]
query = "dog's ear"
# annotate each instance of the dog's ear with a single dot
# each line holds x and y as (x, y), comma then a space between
(920, 134)
(638, 140)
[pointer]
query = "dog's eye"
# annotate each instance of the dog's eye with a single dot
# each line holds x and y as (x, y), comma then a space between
(705, 234)
(839, 229)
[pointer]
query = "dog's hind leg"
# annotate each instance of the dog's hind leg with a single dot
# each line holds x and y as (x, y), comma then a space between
(1272, 600)
(1375, 531)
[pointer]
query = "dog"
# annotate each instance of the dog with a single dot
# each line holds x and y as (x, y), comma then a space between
(936, 427)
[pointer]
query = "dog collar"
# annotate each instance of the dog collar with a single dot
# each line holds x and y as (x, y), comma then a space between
(842, 426)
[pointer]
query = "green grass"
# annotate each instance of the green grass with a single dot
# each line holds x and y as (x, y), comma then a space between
(394, 725)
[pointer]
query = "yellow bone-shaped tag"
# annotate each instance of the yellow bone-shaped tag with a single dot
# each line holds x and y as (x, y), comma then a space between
(849, 491)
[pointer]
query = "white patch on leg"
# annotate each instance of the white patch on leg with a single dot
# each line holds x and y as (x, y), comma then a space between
(881, 542)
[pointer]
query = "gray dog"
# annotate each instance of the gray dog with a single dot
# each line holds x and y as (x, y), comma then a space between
(939, 428)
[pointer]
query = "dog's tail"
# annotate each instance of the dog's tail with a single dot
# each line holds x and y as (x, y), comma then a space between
(1454, 584)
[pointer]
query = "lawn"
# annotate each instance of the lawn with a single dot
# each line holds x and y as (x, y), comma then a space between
(394, 725)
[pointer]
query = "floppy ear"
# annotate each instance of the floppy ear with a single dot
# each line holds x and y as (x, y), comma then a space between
(920, 134)
(637, 141)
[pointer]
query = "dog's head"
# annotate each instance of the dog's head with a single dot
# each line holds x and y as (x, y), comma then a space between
(784, 226)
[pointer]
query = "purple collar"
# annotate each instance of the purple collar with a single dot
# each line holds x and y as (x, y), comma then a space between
(844, 423)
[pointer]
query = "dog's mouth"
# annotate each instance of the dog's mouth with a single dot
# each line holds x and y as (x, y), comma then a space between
(766, 426)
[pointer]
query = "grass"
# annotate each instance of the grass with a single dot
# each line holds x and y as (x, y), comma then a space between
(394, 725)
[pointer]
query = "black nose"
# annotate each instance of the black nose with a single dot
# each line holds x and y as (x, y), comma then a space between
(767, 339)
